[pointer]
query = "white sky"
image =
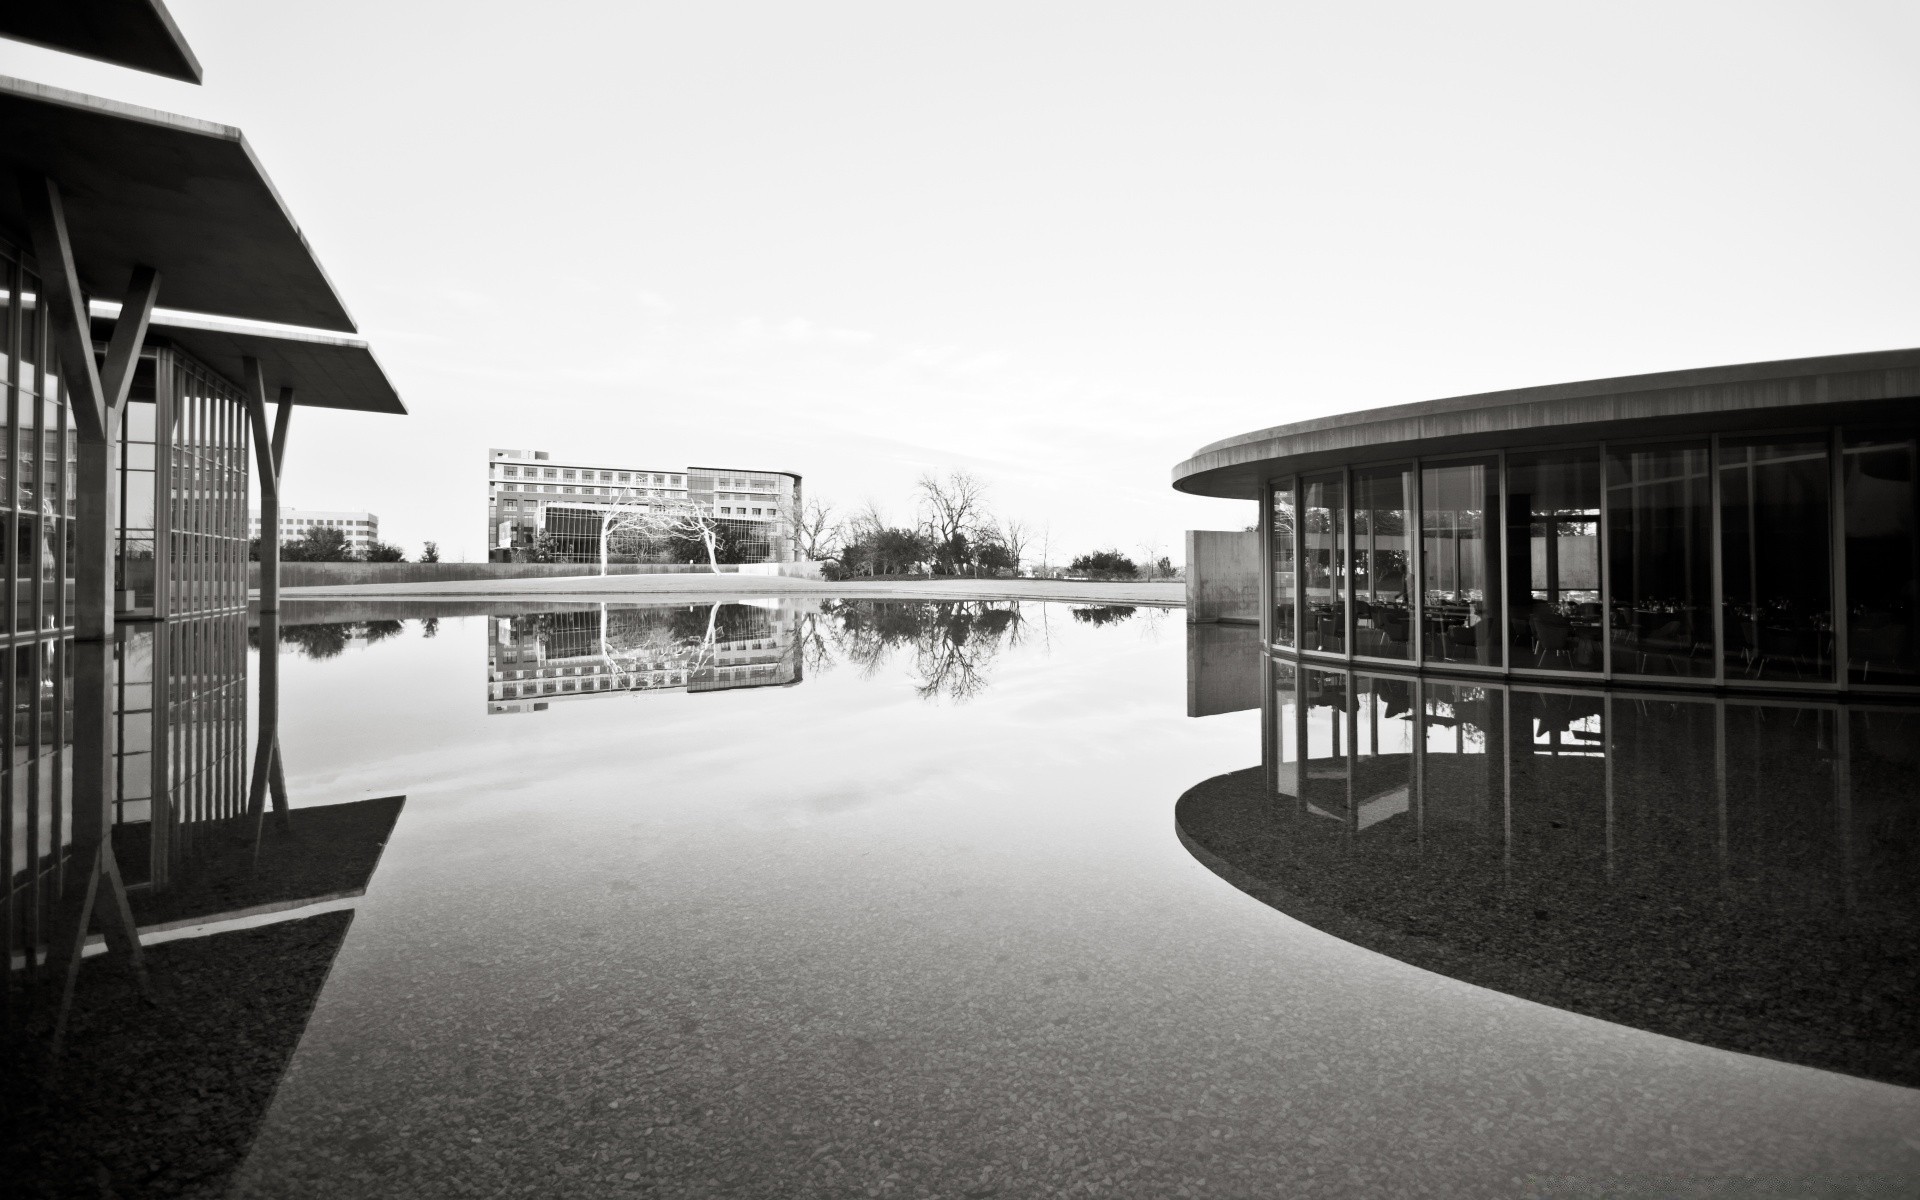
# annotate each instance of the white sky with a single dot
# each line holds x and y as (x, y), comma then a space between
(1061, 245)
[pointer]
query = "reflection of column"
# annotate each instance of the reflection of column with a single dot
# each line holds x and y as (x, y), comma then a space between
(268, 774)
(96, 395)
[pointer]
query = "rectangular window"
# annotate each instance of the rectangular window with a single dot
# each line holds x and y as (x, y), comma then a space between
(1323, 552)
(1285, 564)
(1554, 619)
(550, 474)
(1660, 560)
(1460, 562)
(1382, 562)
(623, 477)
(1883, 557)
(1776, 580)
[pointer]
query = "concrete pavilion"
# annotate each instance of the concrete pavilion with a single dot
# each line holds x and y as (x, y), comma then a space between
(130, 434)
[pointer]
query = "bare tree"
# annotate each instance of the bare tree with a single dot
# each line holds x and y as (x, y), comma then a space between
(632, 516)
(816, 535)
(952, 507)
(1151, 552)
(1014, 535)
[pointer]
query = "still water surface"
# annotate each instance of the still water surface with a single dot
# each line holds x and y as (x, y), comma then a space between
(878, 899)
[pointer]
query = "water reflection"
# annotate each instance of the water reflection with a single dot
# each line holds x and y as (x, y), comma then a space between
(149, 1071)
(1740, 873)
(537, 656)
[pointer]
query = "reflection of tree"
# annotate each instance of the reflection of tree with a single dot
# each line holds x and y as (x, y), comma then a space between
(954, 643)
(327, 639)
(1103, 614)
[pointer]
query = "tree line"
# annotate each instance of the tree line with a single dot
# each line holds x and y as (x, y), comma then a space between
(321, 544)
(954, 531)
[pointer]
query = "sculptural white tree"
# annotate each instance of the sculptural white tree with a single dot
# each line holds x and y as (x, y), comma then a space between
(630, 514)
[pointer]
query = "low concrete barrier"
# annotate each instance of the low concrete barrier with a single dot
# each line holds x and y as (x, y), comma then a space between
(1223, 575)
(347, 574)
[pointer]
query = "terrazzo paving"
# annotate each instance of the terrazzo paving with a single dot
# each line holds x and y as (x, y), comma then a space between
(862, 937)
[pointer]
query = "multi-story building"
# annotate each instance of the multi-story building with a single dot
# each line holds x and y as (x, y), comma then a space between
(359, 528)
(535, 659)
(530, 493)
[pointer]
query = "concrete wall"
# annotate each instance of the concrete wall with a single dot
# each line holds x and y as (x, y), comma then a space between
(1223, 575)
(348, 573)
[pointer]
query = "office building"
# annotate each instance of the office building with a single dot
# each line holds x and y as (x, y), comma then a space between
(562, 506)
(1753, 526)
(361, 529)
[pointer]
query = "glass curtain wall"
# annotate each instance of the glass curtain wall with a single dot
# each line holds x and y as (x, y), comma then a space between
(205, 420)
(1882, 524)
(1776, 584)
(1659, 559)
(1286, 585)
(1323, 554)
(1616, 559)
(1461, 588)
(1554, 619)
(1383, 562)
(36, 479)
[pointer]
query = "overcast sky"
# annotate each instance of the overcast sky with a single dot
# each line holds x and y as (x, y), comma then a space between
(1061, 246)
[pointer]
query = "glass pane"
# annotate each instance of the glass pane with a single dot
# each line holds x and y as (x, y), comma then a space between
(1323, 554)
(1659, 540)
(1382, 563)
(1776, 581)
(1461, 567)
(1883, 559)
(1554, 618)
(1284, 567)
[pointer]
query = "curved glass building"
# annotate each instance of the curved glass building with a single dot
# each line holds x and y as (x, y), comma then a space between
(1745, 526)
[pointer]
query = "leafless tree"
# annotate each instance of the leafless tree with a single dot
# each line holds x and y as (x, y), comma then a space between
(1151, 552)
(953, 506)
(634, 517)
(816, 534)
(1015, 534)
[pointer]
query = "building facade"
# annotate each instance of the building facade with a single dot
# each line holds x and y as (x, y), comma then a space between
(1755, 526)
(361, 529)
(562, 506)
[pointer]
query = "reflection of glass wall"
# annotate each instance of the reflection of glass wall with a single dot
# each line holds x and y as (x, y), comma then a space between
(1554, 619)
(1285, 567)
(1461, 564)
(1883, 558)
(1323, 563)
(1775, 584)
(1742, 871)
(1382, 562)
(1660, 531)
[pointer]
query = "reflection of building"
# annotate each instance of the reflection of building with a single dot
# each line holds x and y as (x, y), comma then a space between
(1746, 526)
(530, 493)
(359, 528)
(536, 659)
(1742, 871)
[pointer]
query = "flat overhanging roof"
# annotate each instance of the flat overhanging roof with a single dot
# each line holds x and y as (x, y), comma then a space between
(128, 33)
(1669, 403)
(185, 197)
(325, 370)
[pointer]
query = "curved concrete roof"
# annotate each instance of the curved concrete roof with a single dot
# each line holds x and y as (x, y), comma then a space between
(1670, 402)
(128, 33)
(185, 197)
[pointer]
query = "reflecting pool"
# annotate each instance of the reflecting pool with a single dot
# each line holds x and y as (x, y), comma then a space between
(769, 898)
